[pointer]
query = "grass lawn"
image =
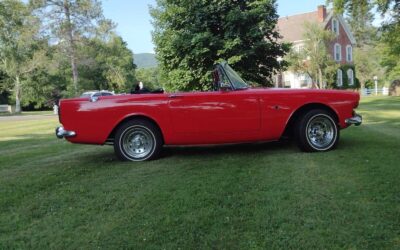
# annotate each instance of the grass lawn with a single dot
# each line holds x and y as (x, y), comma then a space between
(46, 112)
(58, 195)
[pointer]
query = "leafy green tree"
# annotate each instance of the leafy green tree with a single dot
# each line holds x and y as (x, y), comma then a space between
(69, 21)
(41, 84)
(150, 77)
(313, 58)
(391, 52)
(3, 90)
(107, 64)
(20, 55)
(119, 64)
(191, 36)
(361, 7)
(367, 63)
(391, 43)
(367, 56)
(361, 24)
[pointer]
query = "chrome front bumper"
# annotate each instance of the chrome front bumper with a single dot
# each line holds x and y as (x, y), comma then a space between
(62, 133)
(356, 120)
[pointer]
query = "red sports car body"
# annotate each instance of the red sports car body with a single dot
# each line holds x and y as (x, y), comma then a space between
(232, 113)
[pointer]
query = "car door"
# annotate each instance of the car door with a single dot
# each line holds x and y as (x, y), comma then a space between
(215, 117)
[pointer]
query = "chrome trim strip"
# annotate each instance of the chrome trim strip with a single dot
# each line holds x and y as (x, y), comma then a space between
(62, 133)
(356, 120)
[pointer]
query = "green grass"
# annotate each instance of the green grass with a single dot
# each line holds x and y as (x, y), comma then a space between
(58, 195)
(46, 112)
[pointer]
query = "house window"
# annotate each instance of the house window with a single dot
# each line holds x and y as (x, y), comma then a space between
(350, 76)
(338, 52)
(304, 81)
(349, 53)
(339, 78)
(298, 48)
(335, 26)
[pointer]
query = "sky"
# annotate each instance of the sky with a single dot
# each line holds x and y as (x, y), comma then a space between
(134, 21)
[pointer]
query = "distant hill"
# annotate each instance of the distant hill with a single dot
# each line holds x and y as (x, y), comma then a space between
(145, 60)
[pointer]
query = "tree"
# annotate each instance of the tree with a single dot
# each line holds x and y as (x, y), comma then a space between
(18, 45)
(360, 20)
(150, 77)
(362, 7)
(3, 91)
(69, 21)
(367, 56)
(191, 36)
(367, 63)
(313, 58)
(391, 52)
(41, 84)
(107, 64)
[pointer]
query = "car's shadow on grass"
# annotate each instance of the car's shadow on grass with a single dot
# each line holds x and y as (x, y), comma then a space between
(228, 149)
(283, 147)
(105, 156)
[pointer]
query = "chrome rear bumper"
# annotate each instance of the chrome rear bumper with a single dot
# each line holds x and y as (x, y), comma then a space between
(62, 133)
(356, 120)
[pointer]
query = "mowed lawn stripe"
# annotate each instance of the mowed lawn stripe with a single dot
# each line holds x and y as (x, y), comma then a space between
(21, 134)
(27, 145)
(30, 126)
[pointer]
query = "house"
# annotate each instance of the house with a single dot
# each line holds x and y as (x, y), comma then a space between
(292, 29)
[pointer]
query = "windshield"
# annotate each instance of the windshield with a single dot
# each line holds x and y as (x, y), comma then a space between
(236, 80)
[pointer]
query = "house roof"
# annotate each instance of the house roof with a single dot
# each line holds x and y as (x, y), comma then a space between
(292, 28)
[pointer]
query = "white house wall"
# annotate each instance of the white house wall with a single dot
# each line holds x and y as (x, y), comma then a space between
(296, 79)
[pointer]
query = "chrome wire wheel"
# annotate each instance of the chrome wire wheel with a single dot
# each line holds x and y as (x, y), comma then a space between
(321, 132)
(138, 142)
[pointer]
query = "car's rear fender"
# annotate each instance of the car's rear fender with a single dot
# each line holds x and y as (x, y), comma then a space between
(135, 116)
(94, 122)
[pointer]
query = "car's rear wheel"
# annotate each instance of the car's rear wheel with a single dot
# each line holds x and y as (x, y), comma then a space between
(138, 140)
(317, 131)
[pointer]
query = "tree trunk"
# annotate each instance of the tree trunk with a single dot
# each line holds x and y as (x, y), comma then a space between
(321, 84)
(74, 73)
(362, 84)
(17, 95)
(71, 45)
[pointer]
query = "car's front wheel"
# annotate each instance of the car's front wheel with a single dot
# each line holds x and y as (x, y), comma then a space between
(316, 131)
(138, 140)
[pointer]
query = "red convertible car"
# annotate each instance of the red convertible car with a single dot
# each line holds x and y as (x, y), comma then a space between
(138, 125)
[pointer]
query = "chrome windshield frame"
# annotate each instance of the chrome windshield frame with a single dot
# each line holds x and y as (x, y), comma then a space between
(223, 68)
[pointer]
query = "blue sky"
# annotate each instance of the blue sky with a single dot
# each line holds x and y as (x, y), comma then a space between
(134, 25)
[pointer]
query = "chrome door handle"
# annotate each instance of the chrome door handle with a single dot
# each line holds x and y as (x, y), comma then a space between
(175, 96)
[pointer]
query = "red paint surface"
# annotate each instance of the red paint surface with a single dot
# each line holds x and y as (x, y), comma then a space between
(202, 117)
